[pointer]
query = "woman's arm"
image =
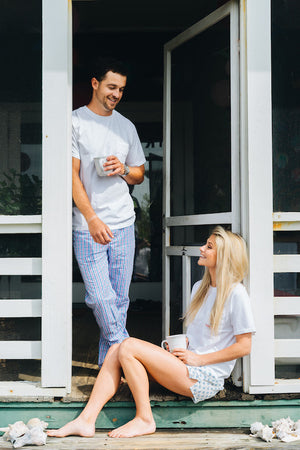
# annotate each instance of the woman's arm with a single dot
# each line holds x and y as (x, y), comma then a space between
(240, 348)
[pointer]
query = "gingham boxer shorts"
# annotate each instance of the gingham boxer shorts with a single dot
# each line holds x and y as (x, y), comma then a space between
(207, 386)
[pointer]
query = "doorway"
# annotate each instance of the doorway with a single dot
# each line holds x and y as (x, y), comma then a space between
(137, 37)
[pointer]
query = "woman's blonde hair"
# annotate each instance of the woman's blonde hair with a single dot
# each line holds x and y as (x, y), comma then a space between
(231, 268)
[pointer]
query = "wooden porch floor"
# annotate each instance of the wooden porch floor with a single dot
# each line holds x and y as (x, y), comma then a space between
(188, 440)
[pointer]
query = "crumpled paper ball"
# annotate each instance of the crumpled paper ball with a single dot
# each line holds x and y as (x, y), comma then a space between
(286, 430)
(20, 434)
(262, 431)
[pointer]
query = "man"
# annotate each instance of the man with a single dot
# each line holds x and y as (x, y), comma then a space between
(103, 218)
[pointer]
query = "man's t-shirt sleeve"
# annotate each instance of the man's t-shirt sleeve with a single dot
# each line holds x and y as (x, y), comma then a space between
(135, 156)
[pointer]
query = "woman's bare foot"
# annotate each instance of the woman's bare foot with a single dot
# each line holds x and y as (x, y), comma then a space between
(136, 427)
(78, 427)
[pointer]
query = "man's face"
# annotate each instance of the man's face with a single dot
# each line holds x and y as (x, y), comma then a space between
(109, 91)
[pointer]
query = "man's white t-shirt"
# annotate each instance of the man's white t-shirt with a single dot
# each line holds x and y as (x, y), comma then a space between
(237, 319)
(94, 135)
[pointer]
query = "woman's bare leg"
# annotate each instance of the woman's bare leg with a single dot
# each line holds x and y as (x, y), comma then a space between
(106, 385)
(137, 358)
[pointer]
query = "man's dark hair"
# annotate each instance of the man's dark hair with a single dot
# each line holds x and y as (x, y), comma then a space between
(104, 65)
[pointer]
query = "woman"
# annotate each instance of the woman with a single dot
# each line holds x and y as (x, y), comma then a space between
(220, 326)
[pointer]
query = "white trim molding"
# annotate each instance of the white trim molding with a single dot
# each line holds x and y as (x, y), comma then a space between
(20, 308)
(20, 349)
(20, 266)
(199, 219)
(20, 224)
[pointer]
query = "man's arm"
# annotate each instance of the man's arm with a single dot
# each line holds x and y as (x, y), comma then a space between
(136, 173)
(100, 232)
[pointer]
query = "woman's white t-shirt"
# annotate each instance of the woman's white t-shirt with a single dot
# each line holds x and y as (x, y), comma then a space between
(237, 319)
(92, 136)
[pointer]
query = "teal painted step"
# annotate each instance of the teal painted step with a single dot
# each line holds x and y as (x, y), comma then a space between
(173, 414)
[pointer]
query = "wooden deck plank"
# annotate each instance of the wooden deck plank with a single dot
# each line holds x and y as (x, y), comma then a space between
(232, 439)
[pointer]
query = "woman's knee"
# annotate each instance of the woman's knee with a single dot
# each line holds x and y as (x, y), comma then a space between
(128, 347)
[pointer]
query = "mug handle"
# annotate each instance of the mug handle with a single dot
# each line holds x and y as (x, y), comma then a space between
(163, 344)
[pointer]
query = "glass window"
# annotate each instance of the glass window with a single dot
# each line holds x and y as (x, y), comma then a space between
(286, 284)
(193, 235)
(286, 242)
(20, 287)
(175, 294)
(201, 123)
(20, 370)
(20, 245)
(20, 108)
(286, 104)
(20, 329)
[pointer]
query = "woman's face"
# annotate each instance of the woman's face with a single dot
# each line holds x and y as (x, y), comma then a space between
(208, 253)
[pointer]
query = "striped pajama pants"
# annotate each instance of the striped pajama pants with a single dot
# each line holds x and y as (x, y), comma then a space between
(106, 271)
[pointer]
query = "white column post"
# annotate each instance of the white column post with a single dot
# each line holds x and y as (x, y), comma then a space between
(57, 200)
(258, 194)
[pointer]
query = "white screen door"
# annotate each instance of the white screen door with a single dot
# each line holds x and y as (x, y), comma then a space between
(201, 149)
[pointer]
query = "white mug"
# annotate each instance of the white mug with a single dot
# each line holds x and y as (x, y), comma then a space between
(99, 161)
(175, 341)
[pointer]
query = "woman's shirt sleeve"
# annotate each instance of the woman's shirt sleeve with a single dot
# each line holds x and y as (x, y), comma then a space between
(241, 313)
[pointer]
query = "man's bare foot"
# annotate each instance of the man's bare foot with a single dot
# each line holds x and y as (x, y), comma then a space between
(136, 427)
(78, 427)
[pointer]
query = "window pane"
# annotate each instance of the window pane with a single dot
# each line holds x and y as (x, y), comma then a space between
(20, 245)
(286, 104)
(175, 294)
(200, 123)
(20, 370)
(20, 108)
(286, 284)
(20, 329)
(192, 234)
(286, 242)
(20, 287)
